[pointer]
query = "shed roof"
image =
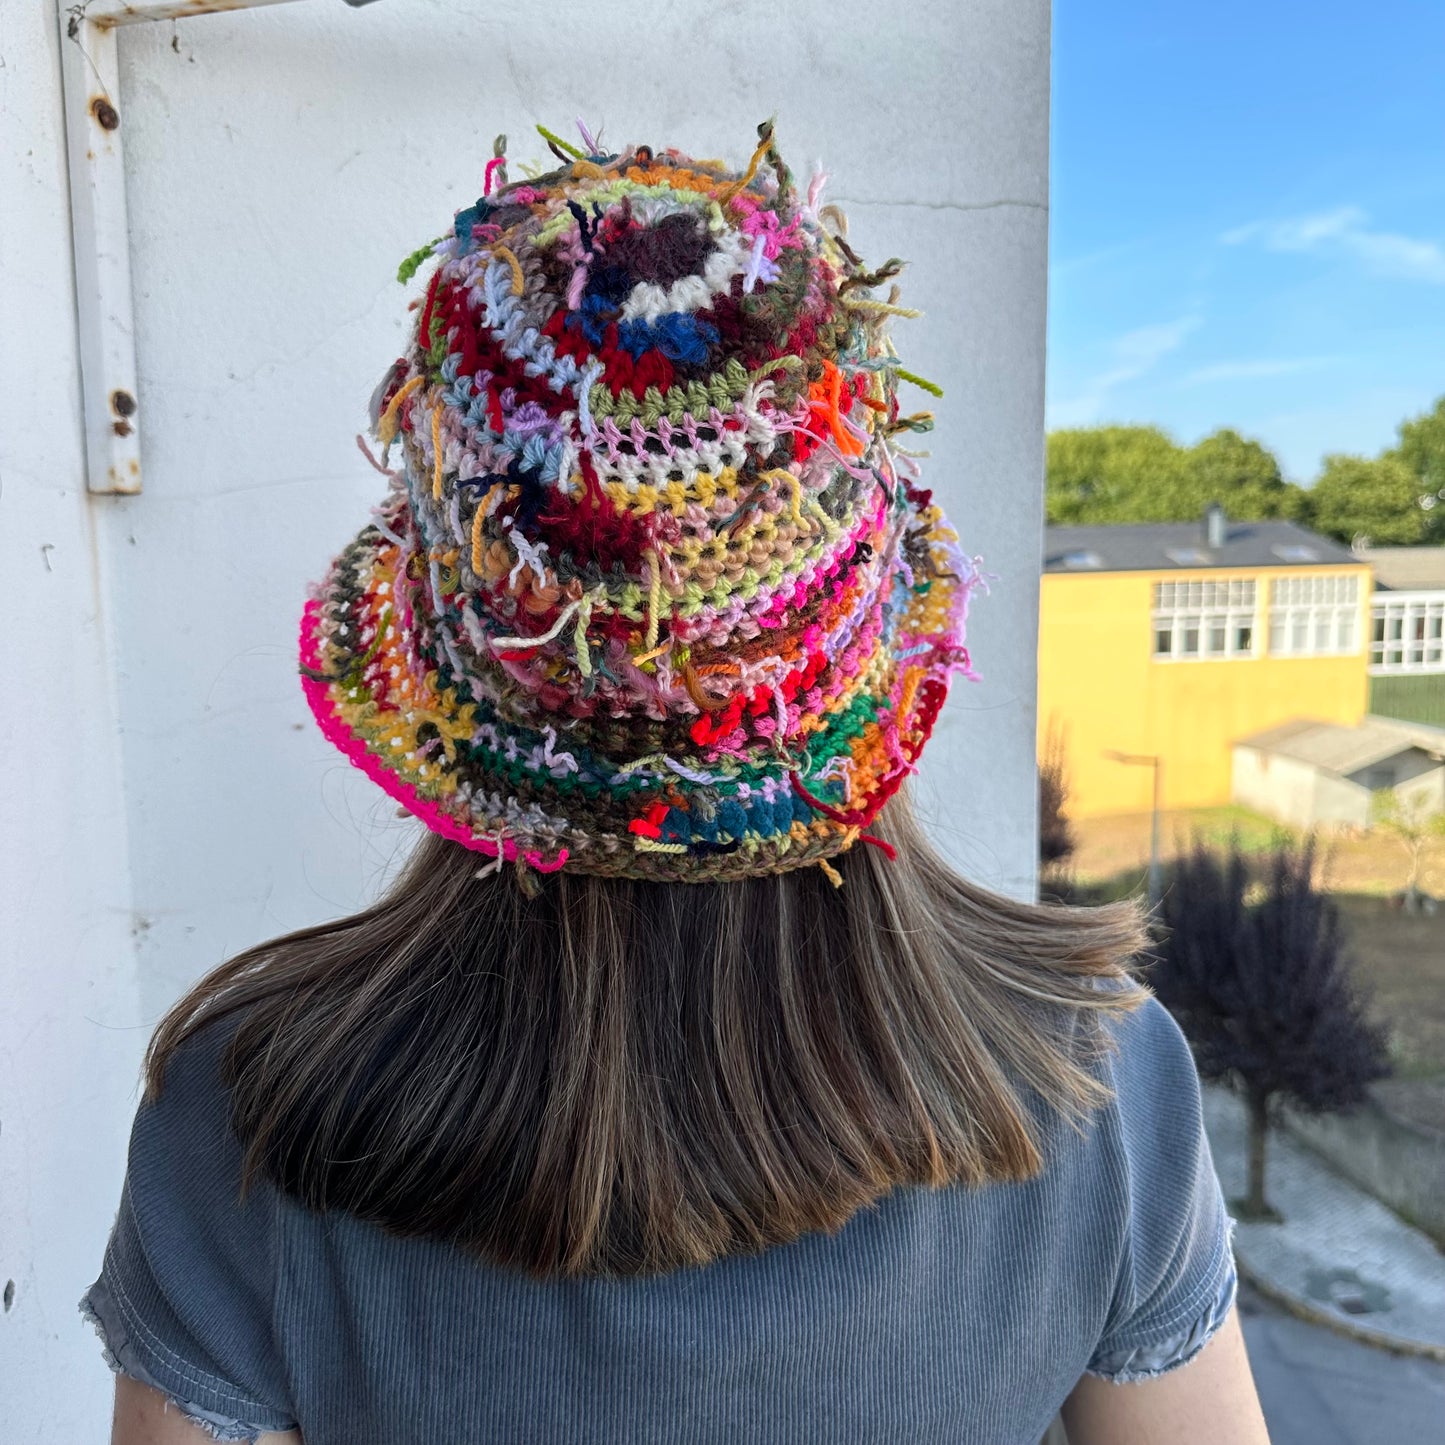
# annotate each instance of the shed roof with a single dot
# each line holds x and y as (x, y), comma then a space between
(1406, 568)
(1340, 749)
(1165, 546)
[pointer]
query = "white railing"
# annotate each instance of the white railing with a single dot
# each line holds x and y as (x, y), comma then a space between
(1407, 633)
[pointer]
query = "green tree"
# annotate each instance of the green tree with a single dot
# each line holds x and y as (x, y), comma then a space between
(1422, 448)
(1411, 819)
(1378, 498)
(1242, 475)
(1113, 474)
(1141, 474)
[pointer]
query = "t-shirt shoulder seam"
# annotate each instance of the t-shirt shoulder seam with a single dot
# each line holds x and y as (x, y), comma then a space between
(1220, 1268)
(224, 1393)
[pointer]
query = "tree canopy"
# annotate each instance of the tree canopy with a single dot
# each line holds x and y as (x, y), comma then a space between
(1422, 448)
(1375, 498)
(1141, 474)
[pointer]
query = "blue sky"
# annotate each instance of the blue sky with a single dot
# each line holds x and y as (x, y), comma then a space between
(1248, 219)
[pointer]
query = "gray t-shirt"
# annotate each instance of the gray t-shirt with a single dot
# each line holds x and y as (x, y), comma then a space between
(947, 1315)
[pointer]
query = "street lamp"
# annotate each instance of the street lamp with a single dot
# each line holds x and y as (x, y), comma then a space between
(1155, 761)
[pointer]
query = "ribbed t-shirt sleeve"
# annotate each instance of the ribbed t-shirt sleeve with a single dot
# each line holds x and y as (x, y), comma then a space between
(184, 1299)
(1176, 1282)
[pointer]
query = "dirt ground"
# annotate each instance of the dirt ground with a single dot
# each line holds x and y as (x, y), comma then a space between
(1400, 957)
(1350, 862)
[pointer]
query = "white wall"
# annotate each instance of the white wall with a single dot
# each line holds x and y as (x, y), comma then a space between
(1281, 787)
(70, 1026)
(281, 162)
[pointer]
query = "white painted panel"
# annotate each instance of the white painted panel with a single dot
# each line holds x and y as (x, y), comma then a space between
(280, 163)
(70, 1030)
(283, 161)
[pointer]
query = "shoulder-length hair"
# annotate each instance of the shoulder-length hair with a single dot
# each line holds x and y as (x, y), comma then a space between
(614, 1077)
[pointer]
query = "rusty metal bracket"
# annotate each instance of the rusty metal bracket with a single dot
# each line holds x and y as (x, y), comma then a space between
(99, 226)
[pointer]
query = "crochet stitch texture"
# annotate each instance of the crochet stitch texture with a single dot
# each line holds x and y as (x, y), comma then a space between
(653, 594)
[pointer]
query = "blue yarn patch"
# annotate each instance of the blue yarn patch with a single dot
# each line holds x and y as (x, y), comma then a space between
(678, 335)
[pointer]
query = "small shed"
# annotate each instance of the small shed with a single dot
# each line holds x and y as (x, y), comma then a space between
(1305, 771)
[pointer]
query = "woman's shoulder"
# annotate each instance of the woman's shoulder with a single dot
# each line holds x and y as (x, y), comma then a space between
(1147, 1065)
(185, 1165)
(1146, 1043)
(189, 1104)
(185, 1299)
(1175, 1282)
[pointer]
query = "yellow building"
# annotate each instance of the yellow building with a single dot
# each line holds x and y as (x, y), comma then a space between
(1170, 640)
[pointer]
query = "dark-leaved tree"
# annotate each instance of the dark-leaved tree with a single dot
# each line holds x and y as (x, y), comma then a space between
(1056, 834)
(1264, 991)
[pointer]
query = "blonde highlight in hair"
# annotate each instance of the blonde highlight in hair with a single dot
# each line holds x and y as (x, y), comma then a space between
(618, 1077)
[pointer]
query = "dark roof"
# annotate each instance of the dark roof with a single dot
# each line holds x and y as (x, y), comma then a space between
(1147, 547)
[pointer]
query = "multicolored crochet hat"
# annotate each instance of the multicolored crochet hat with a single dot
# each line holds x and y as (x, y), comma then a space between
(652, 595)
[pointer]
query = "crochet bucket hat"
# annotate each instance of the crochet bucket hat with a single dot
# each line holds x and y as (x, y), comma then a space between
(652, 593)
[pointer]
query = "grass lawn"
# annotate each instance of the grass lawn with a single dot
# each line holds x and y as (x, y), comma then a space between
(1400, 956)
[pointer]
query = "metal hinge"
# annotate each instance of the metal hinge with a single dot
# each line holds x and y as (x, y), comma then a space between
(99, 227)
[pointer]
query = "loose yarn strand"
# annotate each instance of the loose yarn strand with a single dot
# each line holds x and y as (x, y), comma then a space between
(659, 400)
(436, 446)
(517, 644)
(386, 426)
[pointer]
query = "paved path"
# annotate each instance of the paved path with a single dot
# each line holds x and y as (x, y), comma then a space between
(1339, 1255)
(1321, 1388)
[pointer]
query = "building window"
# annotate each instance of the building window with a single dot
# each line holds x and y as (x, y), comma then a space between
(1406, 635)
(1204, 617)
(1314, 615)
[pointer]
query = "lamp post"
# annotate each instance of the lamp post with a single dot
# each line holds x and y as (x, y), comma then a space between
(1155, 761)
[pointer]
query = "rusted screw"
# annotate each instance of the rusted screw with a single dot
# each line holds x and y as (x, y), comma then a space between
(122, 403)
(106, 115)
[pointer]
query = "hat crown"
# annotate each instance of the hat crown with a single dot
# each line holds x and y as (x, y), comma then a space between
(650, 558)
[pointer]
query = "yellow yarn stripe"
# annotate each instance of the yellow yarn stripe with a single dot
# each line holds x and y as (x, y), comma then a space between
(436, 448)
(728, 192)
(654, 599)
(387, 424)
(519, 283)
(579, 637)
(477, 518)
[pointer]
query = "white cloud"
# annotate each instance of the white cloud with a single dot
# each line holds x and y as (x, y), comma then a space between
(1347, 231)
(1256, 368)
(1061, 266)
(1134, 354)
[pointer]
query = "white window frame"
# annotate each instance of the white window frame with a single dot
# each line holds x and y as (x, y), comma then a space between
(1407, 632)
(1211, 610)
(1314, 614)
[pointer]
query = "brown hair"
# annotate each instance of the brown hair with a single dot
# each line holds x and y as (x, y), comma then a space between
(621, 1077)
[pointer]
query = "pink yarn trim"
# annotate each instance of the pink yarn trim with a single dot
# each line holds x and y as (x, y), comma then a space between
(335, 731)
